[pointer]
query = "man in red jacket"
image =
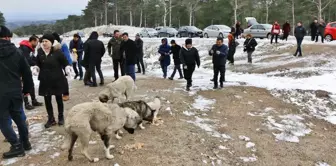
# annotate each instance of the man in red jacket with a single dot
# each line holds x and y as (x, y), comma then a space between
(275, 32)
(286, 29)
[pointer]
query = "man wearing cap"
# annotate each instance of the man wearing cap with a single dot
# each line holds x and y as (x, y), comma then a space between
(13, 66)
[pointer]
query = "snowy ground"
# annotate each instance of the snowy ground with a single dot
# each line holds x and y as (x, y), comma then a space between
(280, 109)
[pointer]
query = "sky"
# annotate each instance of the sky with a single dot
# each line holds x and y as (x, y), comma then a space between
(34, 10)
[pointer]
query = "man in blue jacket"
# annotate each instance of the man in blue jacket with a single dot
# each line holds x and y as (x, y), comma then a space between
(219, 53)
(299, 33)
(77, 46)
(164, 51)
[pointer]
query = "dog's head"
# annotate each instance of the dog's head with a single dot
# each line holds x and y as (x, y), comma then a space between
(132, 120)
(103, 98)
(149, 113)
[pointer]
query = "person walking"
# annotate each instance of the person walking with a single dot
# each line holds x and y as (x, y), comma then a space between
(50, 63)
(232, 47)
(219, 53)
(66, 52)
(175, 50)
(129, 50)
(320, 31)
(28, 50)
(113, 47)
(77, 47)
(249, 46)
(313, 30)
(189, 58)
(139, 54)
(94, 51)
(299, 33)
(164, 51)
(286, 29)
(14, 68)
(238, 30)
(275, 32)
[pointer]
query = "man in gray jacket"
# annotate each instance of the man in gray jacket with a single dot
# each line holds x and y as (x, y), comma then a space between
(113, 47)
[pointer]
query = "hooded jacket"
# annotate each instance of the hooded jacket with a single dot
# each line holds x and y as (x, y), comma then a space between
(164, 50)
(28, 52)
(13, 66)
(94, 50)
(175, 50)
(189, 56)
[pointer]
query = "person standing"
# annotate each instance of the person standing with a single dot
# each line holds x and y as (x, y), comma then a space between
(28, 50)
(219, 53)
(66, 52)
(87, 75)
(299, 34)
(232, 47)
(189, 58)
(140, 54)
(50, 63)
(129, 50)
(77, 46)
(113, 47)
(94, 51)
(286, 29)
(13, 67)
(238, 30)
(313, 30)
(175, 50)
(275, 32)
(249, 47)
(164, 51)
(320, 31)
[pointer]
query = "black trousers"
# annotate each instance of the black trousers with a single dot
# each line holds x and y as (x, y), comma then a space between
(116, 64)
(188, 71)
(32, 96)
(219, 70)
(232, 51)
(93, 68)
(313, 36)
(87, 75)
(49, 107)
(178, 68)
(140, 63)
(285, 36)
(276, 38)
(317, 36)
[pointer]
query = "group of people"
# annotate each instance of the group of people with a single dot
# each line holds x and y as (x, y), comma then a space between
(317, 29)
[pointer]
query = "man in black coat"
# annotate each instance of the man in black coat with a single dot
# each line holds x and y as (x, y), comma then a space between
(28, 49)
(299, 33)
(94, 51)
(139, 54)
(175, 50)
(313, 30)
(13, 66)
(128, 51)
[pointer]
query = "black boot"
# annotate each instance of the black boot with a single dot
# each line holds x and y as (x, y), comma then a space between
(36, 103)
(93, 85)
(61, 120)
(215, 85)
(16, 150)
(221, 85)
(188, 88)
(29, 107)
(171, 78)
(26, 145)
(50, 123)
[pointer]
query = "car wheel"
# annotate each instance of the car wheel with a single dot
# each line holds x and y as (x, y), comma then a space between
(268, 36)
(328, 38)
(220, 35)
(206, 35)
(190, 35)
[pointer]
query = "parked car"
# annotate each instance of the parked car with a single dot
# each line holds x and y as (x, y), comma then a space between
(106, 34)
(148, 32)
(158, 28)
(251, 21)
(330, 31)
(167, 32)
(259, 31)
(189, 31)
(216, 31)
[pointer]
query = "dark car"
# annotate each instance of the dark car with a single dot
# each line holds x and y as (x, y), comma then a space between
(107, 34)
(167, 32)
(189, 31)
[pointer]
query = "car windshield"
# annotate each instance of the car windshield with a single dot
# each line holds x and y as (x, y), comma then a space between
(193, 28)
(267, 26)
(223, 27)
(150, 30)
(171, 30)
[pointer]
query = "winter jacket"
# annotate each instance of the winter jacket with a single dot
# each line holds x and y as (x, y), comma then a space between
(129, 49)
(51, 76)
(286, 28)
(79, 48)
(219, 59)
(175, 50)
(28, 52)
(139, 46)
(238, 32)
(94, 51)
(275, 29)
(189, 56)
(313, 28)
(115, 45)
(321, 28)
(299, 32)
(13, 66)
(164, 50)
(66, 52)
(250, 44)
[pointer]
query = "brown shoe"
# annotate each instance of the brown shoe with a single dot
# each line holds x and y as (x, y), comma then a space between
(65, 98)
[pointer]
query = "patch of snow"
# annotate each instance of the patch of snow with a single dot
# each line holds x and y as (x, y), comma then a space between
(238, 97)
(92, 142)
(222, 147)
(188, 113)
(249, 159)
(55, 155)
(168, 109)
(250, 145)
(244, 138)
(116, 164)
(202, 103)
(9, 161)
(321, 164)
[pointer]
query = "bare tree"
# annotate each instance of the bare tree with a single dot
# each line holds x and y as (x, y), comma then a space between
(237, 4)
(268, 3)
(192, 5)
(321, 6)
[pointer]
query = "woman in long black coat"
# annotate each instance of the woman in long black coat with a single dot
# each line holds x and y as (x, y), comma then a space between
(50, 63)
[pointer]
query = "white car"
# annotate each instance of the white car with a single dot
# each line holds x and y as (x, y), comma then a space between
(216, 31)
(260, 31)
(148, 32)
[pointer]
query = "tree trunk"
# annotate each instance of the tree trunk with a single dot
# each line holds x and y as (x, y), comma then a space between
(293, 16)
(101, 18)
(145, 19)
(190, 15)
(106, 5)
(131, 18)
(95, 19)
(170, 13)
(266, 12)
(235, 10)
(165, 14)
(116, 14)
(140, 24)
(319, 9)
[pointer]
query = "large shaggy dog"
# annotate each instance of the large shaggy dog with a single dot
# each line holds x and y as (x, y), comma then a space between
(86, 118)
(123, 86)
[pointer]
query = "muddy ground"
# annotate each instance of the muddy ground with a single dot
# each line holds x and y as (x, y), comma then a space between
(192, 137)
